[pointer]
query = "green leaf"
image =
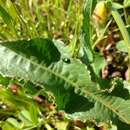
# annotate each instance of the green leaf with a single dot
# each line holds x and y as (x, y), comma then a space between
(98, 64)
(106, 108)
(14, 123)
(5, 16)
(120, 125)
(86, 53)
(11, 124)
(4, 81)
(121, 46)
(117, 5)
(7, 126)
(60, 77)
(68, 81)
(34, 113)
(86, 33)
(36, 49)
(25, 117)
(120, 89)
(122, 28)
(11, 10)
(126, 3)
(62, 48)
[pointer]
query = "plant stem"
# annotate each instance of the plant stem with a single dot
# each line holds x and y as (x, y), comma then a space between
(102, 35)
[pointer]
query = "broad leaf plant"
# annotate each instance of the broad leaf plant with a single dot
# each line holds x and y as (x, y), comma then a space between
(74, 81)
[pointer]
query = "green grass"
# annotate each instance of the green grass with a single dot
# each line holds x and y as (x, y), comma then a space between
(39, 18)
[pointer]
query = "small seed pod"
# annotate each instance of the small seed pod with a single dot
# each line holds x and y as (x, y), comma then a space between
(100, 12)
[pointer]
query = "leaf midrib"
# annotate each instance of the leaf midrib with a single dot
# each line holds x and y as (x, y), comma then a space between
(119, 114)
(90, 94)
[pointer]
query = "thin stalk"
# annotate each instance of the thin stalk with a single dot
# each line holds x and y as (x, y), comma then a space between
(73, 44)
(117, 29)
(21, 19)
(102, 35)
(126, 18)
